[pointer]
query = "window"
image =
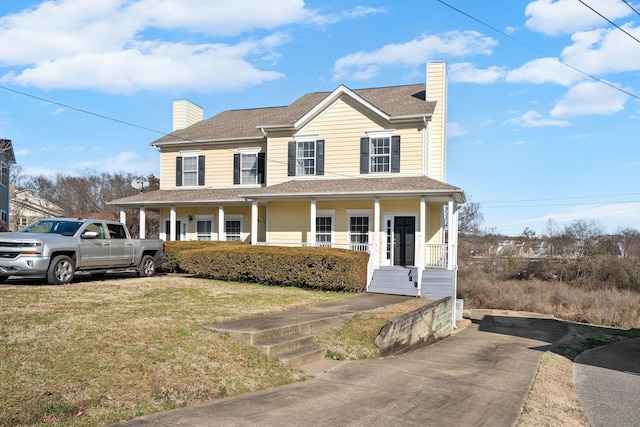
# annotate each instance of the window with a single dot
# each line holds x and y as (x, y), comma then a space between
(204, 229)
(233, 229)
(359, 233)
(306, 157)
(324, 231)
(4, 174)
(189, 170)
(380, 153)
(22, 221)
(116, 231)
(248, 167)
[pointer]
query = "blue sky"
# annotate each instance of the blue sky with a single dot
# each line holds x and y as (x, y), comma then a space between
(530, 139)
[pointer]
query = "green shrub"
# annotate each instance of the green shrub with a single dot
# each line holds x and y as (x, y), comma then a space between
(304, 267)
(174, 250)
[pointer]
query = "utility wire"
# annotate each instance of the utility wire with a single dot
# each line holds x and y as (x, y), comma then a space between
(535, 49)
(631, 7)
(610, 21)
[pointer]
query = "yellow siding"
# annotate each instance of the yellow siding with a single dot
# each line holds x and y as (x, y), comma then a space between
(437, 91)
(185, 114)
(218, 164)
(288, 222)
(341, 126)
(434, 227)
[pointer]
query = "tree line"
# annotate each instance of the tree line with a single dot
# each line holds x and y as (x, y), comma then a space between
(86, 194)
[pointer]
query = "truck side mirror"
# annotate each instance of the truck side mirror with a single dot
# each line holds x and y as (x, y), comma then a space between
(89, 235)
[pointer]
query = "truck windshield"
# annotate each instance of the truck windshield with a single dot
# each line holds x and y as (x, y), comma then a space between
(66, 228)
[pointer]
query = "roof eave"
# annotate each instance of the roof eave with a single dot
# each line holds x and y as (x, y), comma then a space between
(207, 141)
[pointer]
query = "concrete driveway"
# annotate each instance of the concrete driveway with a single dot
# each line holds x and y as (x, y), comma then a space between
(477, 377)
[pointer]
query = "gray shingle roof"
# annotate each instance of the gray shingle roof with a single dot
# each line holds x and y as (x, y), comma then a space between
(321, 188)
(395, 101)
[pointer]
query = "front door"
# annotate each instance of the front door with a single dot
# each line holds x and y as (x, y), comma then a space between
(404, 230)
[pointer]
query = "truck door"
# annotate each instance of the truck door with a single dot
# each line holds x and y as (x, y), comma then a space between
(95, 253)
(121, 246)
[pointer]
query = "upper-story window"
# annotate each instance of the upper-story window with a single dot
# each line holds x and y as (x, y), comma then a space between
(189, 170)
(4, 174)
(306, 157)
(380, 153)
(248, 167)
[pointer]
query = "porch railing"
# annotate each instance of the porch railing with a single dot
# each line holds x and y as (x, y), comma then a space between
(435, 255)
(362, 247)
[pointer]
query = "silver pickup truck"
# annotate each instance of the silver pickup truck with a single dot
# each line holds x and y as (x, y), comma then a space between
(56, 248)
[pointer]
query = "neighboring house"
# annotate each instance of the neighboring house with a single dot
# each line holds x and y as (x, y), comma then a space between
(356, 169)
(7, 158)
(27, 207)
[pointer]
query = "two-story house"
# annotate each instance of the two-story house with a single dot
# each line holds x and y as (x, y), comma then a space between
(27, 207)
(357, 169)
(7, 158)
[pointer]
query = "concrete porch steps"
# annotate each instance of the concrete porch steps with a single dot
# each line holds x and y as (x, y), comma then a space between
(289, 335)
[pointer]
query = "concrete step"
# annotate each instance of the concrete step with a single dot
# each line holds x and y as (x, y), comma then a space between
(303, 356)
(283, 345)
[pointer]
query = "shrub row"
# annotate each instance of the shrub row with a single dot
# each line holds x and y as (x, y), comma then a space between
(304, 267)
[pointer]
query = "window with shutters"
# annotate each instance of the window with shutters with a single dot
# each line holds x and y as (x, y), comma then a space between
(248, 167)
(189, 169)
(380, 153)
(306, 157)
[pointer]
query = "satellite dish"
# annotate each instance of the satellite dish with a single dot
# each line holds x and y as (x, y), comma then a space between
(140, 184)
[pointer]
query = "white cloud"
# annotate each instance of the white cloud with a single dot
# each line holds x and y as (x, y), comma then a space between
(455, 129)
(118, 46)
(364, 65)
(612, 216)
(189, 67)
(465, 72)
(361, 11)
(604, 51)
(126, 161)
(532, 119)
(544, 70)
(568, 16)
(589, 98)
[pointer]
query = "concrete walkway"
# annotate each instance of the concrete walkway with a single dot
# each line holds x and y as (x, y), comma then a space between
(607, 381)
(477, 377)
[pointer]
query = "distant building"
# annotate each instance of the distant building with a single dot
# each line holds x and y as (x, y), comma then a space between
(7, 158)
(27, 207)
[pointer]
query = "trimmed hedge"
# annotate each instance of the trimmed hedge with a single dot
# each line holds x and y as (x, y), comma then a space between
(304, 267)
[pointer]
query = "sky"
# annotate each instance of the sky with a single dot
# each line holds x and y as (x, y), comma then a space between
(543, 114)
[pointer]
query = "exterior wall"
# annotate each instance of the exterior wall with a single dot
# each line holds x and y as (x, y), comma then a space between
(437, 91)
(27, 208)
(341, 126)
(211, 213)
(218, 164)
(434, 226)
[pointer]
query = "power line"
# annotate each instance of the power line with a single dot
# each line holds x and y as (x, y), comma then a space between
(610, 21)
(631, 7)
(535, 49)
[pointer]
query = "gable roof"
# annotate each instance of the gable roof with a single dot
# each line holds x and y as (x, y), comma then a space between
(392, 101)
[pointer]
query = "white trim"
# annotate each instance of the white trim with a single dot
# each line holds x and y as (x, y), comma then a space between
(252, 150)
(306, 138)
(387, 133)
(359, 212)
(190, 153)
(386, 216)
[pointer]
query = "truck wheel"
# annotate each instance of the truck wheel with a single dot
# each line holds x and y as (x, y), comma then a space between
(61, 270)
(147, 266)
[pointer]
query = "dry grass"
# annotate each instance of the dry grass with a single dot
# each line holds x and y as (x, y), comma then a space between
(355, 338)
(94, 353)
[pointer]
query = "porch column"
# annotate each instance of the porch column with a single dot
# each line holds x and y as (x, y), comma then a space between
(254, 222)
(451, 236)
(123, 216)
(172, 224)
(376, 232)
(312, 224)
(221, 232)
(422, 241)
(143, 222)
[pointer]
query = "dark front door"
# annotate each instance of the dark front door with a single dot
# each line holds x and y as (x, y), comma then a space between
(404, 230)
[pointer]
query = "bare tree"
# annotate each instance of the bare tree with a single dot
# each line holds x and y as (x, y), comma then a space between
(470, 218)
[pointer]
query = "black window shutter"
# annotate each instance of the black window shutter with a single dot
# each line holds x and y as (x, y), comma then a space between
(178, 171)
(320, 157)
(364, 155)
(395, 153)
(236, 168)
(261, 159)
(200, 170)
(291, 169)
